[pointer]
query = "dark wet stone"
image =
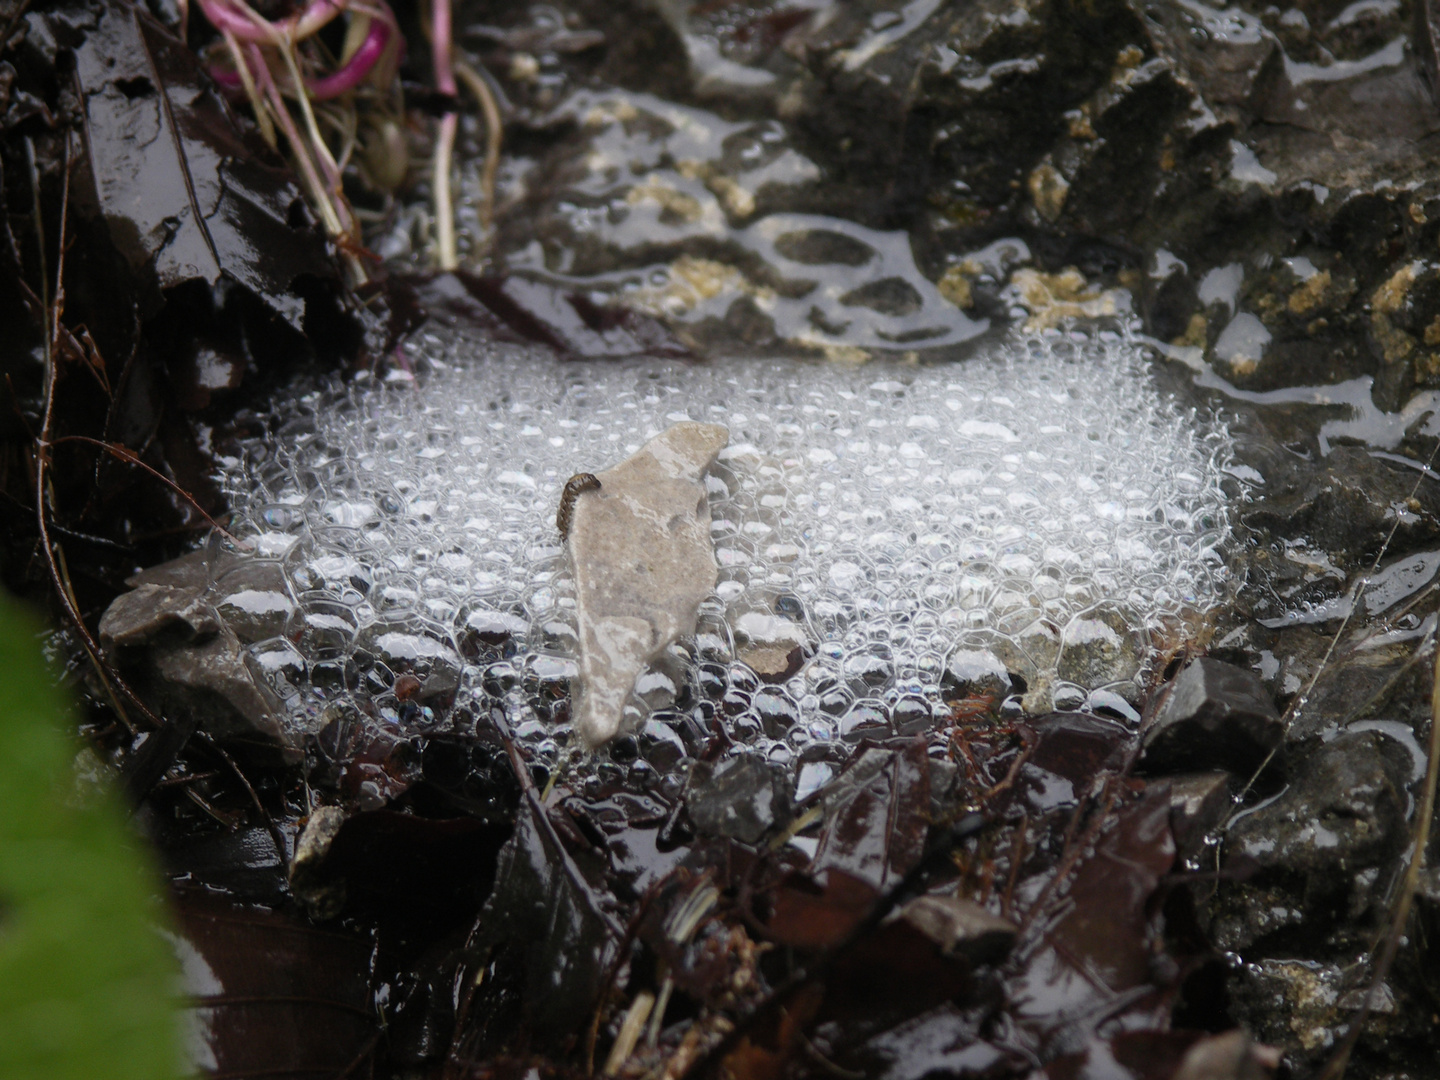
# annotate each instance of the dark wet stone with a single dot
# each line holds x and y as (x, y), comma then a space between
(1214, 714)
(437, 665)
(189, 661)
(712, 681)
(496, 628)
(661, 745)
(1318, 850)
(975, 672)
(254, 599)
(1343, 811)
(139, 617)
(191, 570)
(911, 715)
(1198, 804)
(743, 798)
(211, 681)
(864, 718)
(1349, 504)
(1294, 1004)
(869, 670)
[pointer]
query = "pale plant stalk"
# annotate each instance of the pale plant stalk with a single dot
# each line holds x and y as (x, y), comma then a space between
(318, 194)
(445, 251)
(317, 141)
(247, 79)
(476, 84)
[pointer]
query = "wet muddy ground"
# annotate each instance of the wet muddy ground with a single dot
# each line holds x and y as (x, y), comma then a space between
(393, 875)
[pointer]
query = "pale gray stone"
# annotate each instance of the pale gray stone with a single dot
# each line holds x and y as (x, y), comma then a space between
(643, 561)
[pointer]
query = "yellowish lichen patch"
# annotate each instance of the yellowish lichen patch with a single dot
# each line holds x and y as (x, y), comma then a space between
(1078, 123)
(1310, 294)
(955, 286)
(685, 207)
(1385, 302)
(841, 354)
(1048, 190)
(609, 111)
(1427, 368)
(1053, 298)
(1196, 335)
(737, 200)
(689, 283)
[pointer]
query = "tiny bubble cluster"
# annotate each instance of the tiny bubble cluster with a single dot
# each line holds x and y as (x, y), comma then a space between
(1032, 523)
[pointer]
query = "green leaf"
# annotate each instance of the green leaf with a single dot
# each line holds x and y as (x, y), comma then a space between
(87, 983)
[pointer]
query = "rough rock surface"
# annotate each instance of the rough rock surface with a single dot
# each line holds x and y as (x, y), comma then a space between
(743, 798)
(1215, 715)
(1339, 821)
(643, 561)
(171, 630)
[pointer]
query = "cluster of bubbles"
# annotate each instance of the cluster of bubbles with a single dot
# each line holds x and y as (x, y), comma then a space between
(890, 537)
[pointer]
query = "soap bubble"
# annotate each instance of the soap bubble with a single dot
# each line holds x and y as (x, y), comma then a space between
(1037, 517)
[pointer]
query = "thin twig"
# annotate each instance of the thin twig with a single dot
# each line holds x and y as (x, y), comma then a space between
(1303, 698)
(125, 454)
(276, 835)
(42, 441)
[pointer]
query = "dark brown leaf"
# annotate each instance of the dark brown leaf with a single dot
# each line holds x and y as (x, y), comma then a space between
(273, 997)
(185, 194)
(876, 825)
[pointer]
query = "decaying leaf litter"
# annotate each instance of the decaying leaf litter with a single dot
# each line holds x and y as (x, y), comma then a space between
(1043, 895)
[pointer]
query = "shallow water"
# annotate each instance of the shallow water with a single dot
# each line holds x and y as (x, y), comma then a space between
(1037, 514)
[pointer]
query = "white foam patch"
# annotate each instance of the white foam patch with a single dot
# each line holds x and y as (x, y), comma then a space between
(1044, 504)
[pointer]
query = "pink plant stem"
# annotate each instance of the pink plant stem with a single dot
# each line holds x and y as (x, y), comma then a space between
(340, 82)
(442, 60)
(297, 147)
(356, 68)
(440, 35)
(226, 78)
(245, 24)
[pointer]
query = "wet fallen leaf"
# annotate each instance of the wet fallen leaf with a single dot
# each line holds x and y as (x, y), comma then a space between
(186, 194)
(272, 996)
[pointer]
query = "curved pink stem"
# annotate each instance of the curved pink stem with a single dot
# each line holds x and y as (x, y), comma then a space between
(356, 68)
(226, 78)
(339, 82)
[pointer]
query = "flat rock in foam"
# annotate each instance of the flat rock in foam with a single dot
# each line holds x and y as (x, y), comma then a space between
(643, 561)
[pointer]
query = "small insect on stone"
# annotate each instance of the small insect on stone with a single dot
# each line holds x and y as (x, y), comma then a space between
(576, 486)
